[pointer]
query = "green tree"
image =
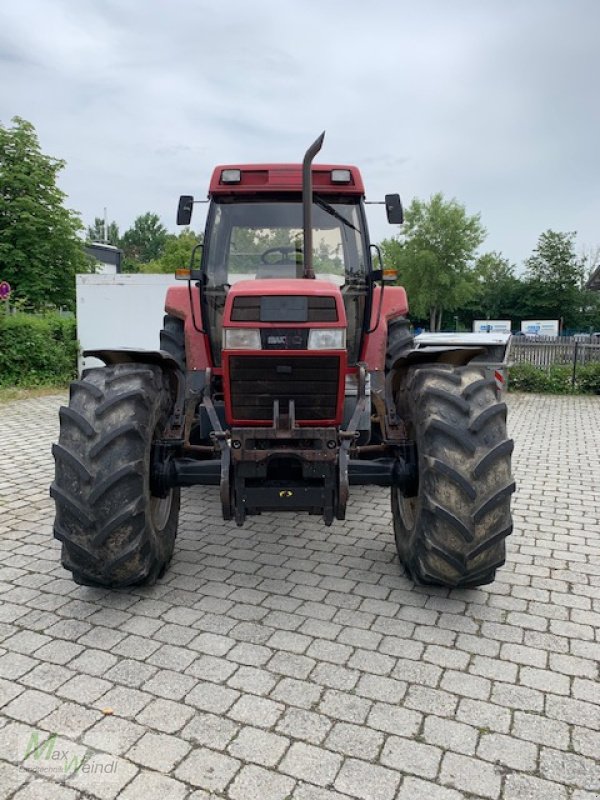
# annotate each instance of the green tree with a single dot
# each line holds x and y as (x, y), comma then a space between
(40, 250)
(176, 253)
(436, 255)
(496, 287)
(95, 232)
(554, 274)
(145, 240)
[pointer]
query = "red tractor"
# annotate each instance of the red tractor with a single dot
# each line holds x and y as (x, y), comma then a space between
(286, 374)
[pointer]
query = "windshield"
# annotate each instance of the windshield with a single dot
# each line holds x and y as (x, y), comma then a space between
(263, 238)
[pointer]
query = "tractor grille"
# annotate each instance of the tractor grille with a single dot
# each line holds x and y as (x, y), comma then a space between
(251, 309)
(310, 381)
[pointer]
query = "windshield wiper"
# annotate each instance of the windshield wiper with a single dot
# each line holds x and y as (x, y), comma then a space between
(334, 213)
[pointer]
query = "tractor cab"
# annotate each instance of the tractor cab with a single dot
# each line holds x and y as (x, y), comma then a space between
(254, 231)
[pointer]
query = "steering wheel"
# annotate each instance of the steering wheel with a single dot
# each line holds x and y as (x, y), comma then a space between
(283, 252)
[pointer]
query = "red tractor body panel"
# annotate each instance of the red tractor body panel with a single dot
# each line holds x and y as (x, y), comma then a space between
(285, 178)
(394, 304)
(177, 304)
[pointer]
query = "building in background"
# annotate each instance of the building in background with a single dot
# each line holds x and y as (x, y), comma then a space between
(107, 257)
(594, 281)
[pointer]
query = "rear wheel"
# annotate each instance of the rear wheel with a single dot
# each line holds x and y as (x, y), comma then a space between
(453, 531)
(114, 532)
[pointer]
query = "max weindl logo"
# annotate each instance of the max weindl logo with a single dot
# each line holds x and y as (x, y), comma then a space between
(61, 758)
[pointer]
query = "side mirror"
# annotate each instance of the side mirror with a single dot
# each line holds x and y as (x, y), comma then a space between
(184, 209)
(393, 207)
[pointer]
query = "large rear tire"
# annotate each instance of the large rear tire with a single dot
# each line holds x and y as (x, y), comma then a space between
(452, 533)
(114, 532)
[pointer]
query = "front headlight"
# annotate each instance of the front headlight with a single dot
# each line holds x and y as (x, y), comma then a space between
(327, 339)
(241, 339)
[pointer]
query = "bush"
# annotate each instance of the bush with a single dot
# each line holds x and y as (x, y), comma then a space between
(37, 350)
(588, 379)
(555, 380)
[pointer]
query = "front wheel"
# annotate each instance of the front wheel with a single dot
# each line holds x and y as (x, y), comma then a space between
(453, 531)
(114, 532)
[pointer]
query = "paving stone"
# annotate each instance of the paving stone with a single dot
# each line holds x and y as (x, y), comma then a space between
(170, 684)
(367, 781)
(569, 768)
(258, 746)
(150, 785)
(294, 692)
(207, 769)
(355, 740)
(158, 751)
(431, 701)
(124, 701)
(311, 764)
(344, 706)
(103, 776)
(10, 779)
(131, 673)
(113, 735)
(525, 787)
(510, 752)
(93, 662)
(210, 730)
(302, 724)
(31, 706)
(254, 783)
(256, 711)
(70, 720)
(470, 775)
(408, 756)
(413, 788)
(84, 688)
(38, 790)
(450, 735)
(165, 715)
(540, 729)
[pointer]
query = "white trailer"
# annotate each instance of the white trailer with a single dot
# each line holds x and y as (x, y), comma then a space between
(115, 311)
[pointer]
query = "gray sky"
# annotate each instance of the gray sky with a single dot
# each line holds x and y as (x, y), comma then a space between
(495, 103)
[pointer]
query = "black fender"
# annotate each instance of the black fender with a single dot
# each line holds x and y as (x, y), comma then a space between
(127, 355)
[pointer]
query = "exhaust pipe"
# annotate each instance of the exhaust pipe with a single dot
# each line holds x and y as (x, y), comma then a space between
(307, 198)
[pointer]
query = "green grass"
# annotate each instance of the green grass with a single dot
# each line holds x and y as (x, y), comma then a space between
(10, 394)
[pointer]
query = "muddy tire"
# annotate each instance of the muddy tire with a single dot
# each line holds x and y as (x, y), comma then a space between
(399, 341)
(113, 531)
(452, 533)
(172, 338)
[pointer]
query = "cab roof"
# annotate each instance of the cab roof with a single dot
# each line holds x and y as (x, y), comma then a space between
(285, 178)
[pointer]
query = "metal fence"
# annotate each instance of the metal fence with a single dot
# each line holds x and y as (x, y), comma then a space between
(548, 350)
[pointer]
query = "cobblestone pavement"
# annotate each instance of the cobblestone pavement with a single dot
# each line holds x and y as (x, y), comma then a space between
(289, 660)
